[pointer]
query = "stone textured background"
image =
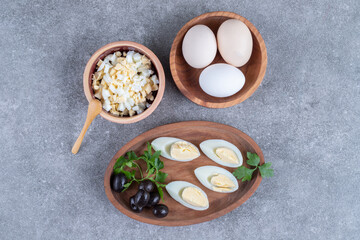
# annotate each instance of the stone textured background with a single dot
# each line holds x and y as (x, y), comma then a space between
(304, 116)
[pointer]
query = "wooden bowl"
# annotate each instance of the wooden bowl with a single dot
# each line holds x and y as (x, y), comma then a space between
(124, 46)
(194, 132)
(186, 77)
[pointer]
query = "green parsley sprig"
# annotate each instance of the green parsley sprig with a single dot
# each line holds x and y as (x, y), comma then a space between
(245, 174)
(152, 173)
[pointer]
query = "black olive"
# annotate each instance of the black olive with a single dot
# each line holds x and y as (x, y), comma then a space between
(147, 185)
(141, 198)
(117, 182)
(160, 210)
(133, 206)
(154, 199)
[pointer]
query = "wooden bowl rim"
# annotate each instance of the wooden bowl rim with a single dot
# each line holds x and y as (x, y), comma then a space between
(229, 103)
(154, 60)
(206, 218)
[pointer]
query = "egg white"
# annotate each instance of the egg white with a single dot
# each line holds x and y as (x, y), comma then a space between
(232, 80)
(174, 189)
(164, 144)
(235, 42)
(208, 147)
(203, 173)
(199, 46)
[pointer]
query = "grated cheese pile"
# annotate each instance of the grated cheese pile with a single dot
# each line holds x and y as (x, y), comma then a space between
(124, 82)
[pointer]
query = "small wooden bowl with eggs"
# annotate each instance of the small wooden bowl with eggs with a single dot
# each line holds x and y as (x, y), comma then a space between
(218, 59)
(124, 46)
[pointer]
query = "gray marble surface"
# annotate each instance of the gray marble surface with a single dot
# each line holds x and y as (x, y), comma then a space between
(304, 116)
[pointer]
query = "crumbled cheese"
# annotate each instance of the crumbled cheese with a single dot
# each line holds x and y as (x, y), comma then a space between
(124, 82)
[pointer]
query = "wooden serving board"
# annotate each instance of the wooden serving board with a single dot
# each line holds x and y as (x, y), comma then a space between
(194, 132)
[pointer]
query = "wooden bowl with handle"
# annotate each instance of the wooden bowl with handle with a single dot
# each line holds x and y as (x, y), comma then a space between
(186, 77)
(124, 46)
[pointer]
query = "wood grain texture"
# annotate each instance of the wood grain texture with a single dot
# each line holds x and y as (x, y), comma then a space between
(186, 78)
(195, 132)
(94, 109)
(124, 46)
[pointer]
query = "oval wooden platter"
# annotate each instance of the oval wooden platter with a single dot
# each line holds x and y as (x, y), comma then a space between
(194, 132)
(186, 77)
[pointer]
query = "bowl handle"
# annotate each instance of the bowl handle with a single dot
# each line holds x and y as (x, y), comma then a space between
(93, 110)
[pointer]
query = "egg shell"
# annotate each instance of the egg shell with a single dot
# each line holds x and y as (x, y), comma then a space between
(203, 173)
(199, 46)
(208, 147)
(221, 80)
(164, 144)
(175, 188)
(235, 42)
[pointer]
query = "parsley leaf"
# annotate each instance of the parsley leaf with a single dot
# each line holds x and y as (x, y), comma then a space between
(161, 193)
(120, 162)
(160, 177)
(240, 172)
(159, 188)
(151, 171)
(158, 164)
(248, 175)
(131, 155)
(117, 170)
(127, 174)
(254, 159)
(155, 156)
(127, 185)
(130, 164)
(265, 170)
(245, 174)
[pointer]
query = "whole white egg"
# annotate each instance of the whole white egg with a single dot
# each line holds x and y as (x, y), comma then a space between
(205, 173)
(210, 146)
(175, 189)
(221, 80)
(235, 42)
(199, 46)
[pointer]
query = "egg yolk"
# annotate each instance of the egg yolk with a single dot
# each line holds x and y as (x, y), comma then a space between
(227, 155)
(194, 196)
(182, 150)
(221, 183)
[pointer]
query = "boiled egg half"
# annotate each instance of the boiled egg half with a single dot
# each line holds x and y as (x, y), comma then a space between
(188, 194)
(176, 149)
(217, 179)
(222, 152)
